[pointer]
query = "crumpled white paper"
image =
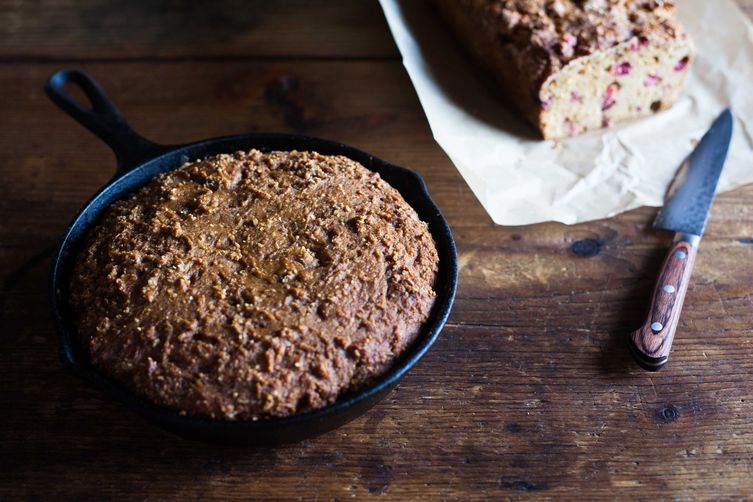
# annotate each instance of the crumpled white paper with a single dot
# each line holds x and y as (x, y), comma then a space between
(520, 179)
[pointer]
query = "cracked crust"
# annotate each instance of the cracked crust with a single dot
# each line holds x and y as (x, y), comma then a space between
(254, 284)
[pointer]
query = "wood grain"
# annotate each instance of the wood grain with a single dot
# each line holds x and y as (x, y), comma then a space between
(530, 389)
(192, 29)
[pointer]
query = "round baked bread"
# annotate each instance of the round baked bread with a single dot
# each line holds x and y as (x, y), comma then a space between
(254, 284)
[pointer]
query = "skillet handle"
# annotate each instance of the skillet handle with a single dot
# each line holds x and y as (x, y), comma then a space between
(103, 119)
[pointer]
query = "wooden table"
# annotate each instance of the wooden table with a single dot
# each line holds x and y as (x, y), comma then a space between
(529, 388)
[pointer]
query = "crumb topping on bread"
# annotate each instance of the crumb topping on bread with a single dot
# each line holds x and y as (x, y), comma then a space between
(254, 284)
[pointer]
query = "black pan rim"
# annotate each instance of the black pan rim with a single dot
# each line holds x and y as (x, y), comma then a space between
(439, 230)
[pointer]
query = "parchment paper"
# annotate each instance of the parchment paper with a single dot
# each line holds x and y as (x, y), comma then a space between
(520, 179)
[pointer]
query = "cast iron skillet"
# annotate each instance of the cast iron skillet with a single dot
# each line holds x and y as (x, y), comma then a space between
(138, 160)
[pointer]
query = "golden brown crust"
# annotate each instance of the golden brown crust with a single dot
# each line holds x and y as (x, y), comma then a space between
(527, 43)
(548, 34)
(254, 284)
(499, 59)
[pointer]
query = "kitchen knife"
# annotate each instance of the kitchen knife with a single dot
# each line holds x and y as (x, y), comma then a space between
(685, 212)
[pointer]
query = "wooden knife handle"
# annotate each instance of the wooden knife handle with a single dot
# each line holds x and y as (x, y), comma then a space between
(651, 343)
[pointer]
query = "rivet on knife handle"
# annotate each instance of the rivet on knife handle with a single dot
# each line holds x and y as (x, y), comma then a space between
(652, 342)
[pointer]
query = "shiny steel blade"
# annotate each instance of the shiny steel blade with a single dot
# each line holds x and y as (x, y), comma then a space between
(691, 194)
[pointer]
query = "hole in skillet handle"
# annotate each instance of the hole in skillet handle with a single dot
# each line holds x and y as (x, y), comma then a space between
(103, 119)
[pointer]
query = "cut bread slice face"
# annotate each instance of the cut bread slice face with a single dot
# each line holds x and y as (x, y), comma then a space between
(636, 78)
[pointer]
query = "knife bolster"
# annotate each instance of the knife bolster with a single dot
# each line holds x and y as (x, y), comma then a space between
(692, 239)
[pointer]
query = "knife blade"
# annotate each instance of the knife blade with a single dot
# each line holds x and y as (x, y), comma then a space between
(685, 212)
